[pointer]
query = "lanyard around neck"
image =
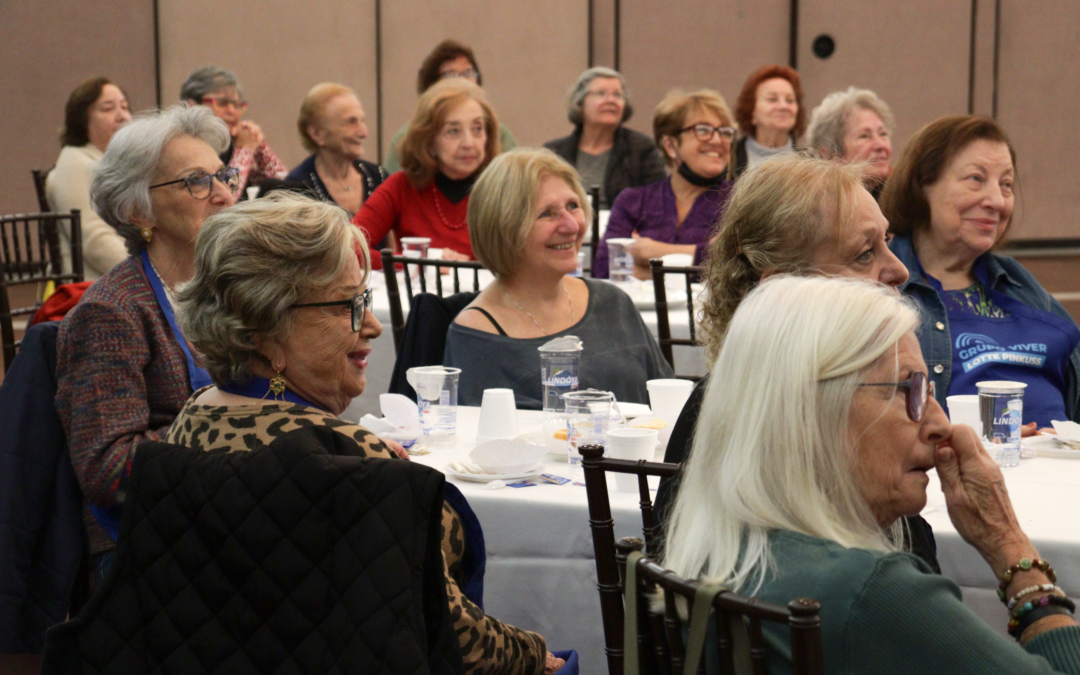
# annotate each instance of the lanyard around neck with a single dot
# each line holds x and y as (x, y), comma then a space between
(197, 375)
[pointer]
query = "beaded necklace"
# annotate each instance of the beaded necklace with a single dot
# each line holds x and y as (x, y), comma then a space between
(442, 217)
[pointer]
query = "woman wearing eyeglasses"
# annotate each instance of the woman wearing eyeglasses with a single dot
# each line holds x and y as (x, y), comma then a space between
(278, 308)
(248, 151)
(678, 214)
(604, 152)
(124, 368)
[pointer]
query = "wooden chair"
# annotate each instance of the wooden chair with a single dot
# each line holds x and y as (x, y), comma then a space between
(660, 647)
(608, 581)
(663, 323)
(397, 315)
(39, 186)
(594, 234)
(30, 254)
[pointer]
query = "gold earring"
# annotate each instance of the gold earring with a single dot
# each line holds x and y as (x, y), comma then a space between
(277, 386)
(147, 234)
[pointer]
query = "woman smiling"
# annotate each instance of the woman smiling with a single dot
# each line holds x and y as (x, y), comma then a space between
(527, 218)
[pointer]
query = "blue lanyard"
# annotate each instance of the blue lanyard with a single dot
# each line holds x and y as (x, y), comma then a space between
(258, 388)
(196, 374)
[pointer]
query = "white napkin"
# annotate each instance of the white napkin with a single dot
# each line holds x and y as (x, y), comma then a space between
(1070, 431)
(400, 411)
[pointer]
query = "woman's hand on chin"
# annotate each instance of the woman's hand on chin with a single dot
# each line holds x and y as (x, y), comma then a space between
(978, 502)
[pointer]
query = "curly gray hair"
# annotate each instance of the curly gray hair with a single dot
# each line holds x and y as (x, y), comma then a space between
(252, 262)
(120, 190)
(207, 80)
(575, 100)
(828, 123)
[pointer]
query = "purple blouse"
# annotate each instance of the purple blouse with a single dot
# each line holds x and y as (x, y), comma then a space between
(650, 211)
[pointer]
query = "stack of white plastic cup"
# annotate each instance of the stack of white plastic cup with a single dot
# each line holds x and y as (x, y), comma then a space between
(632, 444)
(667, 398)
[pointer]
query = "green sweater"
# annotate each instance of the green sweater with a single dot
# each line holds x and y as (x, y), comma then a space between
(889, 614)
(392, 163)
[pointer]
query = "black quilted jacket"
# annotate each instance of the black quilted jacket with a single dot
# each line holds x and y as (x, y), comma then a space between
(293, 559)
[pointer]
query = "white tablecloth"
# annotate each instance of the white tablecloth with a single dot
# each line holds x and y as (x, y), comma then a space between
(541, 575)
(688, 361)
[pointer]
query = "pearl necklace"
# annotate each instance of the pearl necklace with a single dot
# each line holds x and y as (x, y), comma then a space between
(531, 317)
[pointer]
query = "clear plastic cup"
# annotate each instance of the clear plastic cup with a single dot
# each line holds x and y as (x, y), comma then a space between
(620, 260)
(1001, 414)
(587, 415)
(560, 362)
(436, 397)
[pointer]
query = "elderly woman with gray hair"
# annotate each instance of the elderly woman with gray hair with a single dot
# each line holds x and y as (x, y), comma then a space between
(801, 488)
(124, 368)
(279, 309)
(604, 152)
(248, 152)
(855, 125)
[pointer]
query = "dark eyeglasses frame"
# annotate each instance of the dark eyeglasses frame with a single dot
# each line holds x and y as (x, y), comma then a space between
(222, 102)
(359, 304)
(918, 382)
(229, 177)
(725, 132)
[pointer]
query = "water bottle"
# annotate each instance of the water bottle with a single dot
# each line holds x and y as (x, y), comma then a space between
(560, 362)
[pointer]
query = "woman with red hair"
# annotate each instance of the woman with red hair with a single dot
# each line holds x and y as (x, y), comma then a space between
(770, 115)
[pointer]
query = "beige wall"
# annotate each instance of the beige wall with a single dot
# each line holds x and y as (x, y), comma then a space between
(915, 54)
(46, 50)
(277, 51)
(529, 53)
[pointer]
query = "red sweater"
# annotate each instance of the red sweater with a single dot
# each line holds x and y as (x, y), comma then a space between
(397, 205)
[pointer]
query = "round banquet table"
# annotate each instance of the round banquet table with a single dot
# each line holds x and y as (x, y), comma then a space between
(541, 575)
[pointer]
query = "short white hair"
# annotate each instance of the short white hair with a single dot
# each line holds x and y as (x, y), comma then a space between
(828, 122)
(575, 100)
(121, 186)
(772, 448)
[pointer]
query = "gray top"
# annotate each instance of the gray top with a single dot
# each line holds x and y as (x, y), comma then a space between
(592, 169)
(619, 354)
(757, 153)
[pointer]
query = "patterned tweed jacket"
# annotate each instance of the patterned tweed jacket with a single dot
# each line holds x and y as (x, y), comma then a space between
(121, 379)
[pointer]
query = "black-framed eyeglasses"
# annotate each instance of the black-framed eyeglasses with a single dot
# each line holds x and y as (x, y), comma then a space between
(704, 132)
(200, 184)
(359, 304)
(918, 390)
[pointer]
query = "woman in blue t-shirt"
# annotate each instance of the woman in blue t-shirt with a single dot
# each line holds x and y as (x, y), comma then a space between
(950, 202)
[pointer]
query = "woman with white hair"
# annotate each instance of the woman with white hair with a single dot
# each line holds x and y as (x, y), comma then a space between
(248, 151)
(527, 218)
(807, 503)
(855, 126)
(604, 152)
(123, 366)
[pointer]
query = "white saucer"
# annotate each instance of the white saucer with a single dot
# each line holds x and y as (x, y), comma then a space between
(537, 469)
(1045, 445)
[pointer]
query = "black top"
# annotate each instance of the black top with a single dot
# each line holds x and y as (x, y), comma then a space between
(634, 160)
(921, 544)
(454, 190)
(306, 175)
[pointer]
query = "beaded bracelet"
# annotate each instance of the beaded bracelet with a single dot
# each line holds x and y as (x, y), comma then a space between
(1021, 622)
(1048, 588)
(1024, 565)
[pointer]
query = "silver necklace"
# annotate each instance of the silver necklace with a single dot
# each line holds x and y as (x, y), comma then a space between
(531, 317)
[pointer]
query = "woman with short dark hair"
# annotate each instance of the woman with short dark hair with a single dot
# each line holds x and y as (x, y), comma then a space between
(94, 112)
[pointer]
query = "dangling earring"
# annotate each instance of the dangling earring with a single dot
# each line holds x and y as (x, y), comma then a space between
(147, 234)
(277, 387)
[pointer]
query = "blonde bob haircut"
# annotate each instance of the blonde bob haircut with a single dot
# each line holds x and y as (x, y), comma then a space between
(313, 106)
(417, 148)
(783, 458)
(501, 206)
(671, 114)
(252, 262)
(779, 212)
(828, 123)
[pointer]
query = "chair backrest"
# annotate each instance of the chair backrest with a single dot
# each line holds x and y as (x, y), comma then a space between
(663, 323)
(30, 254)
(660, 645)
(39, 176)
(608, 581)
(594, 234)
(420, 265)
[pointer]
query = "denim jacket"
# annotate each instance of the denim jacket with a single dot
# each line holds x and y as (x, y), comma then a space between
(1006, 276)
